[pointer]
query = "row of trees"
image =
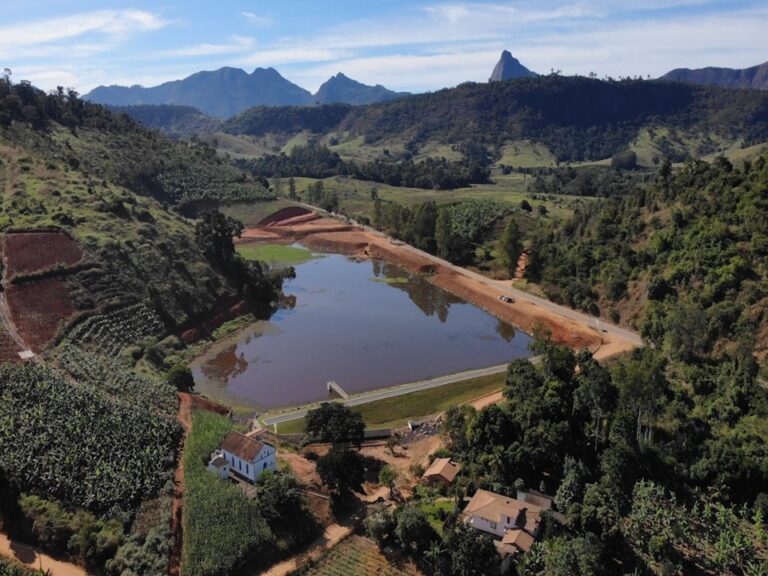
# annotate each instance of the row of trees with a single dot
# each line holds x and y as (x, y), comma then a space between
(452, 231)
(317, 161)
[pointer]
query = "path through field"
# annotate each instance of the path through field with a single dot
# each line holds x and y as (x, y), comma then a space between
(32, 558)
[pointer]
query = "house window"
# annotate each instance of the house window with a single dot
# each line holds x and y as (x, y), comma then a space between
(493, 525)
(265, 466)
(240, 465)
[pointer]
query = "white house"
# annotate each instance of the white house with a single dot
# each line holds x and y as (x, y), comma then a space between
(243, 457)
(500, 515)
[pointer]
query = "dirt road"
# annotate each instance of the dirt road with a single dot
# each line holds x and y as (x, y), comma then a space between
(527, 312)
(34, 559)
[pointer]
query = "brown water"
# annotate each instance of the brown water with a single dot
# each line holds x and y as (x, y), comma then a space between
(365, 325)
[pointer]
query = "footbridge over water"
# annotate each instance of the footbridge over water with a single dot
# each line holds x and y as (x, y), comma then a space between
(333, 387)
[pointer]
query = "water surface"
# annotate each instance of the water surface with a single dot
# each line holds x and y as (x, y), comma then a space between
(363, 324)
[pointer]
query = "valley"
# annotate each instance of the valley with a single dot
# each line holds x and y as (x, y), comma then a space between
(559, 307)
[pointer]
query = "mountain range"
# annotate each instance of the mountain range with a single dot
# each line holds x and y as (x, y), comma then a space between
(228, 91)
(755, 77)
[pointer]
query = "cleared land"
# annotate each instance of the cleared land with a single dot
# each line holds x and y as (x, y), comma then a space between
(29, 252)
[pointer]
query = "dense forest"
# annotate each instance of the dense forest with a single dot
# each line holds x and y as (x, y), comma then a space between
(577, 118)
(685, 259)
(172, 120)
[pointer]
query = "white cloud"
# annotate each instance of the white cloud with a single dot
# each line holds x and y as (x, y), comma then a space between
(257, 19)
(238, 44)
(105, 22)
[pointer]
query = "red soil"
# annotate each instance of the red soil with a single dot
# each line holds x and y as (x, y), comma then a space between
(9, 350)
(28, 252)
(38, 309)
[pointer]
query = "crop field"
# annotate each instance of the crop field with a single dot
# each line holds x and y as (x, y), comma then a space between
(112, 331)
(28, 252)
(75, 443)
(38, 308)
(357, 555)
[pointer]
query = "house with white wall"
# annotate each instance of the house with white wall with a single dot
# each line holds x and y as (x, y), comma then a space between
(499, 515)
(243, 457)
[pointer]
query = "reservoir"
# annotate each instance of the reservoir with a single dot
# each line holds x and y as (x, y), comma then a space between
(364, 324)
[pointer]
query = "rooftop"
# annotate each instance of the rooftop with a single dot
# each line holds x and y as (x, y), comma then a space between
(494, 507)
(242, 446)
(444, 468)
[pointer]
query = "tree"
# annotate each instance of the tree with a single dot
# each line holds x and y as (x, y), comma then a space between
(214, 233)
(180, 377)
(571, 490)
(341, 470)
(525, 205)
(511, 245)
(565, 556)
(380, 525)
(387, 477)
(472, 552)
(292, 189)
(335, 423)
(413, 531)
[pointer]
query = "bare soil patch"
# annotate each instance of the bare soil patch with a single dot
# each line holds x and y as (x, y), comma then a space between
(29, 252)
(38, 309)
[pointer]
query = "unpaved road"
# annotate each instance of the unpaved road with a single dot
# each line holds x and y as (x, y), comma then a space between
(33, 559)
(381, 394)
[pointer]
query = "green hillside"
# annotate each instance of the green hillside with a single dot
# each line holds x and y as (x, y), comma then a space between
(529, 121)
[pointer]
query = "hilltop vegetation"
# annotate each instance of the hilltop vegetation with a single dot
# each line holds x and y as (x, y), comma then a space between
(601, 118)
(173, 120)
(684, 259)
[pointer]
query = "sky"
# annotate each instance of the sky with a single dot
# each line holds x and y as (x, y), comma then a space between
(402, 44)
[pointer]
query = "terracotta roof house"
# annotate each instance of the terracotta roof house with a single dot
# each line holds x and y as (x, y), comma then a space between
(442, 471)
(497, 514)
(243, 457)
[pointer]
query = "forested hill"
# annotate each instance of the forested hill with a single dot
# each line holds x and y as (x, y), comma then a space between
(753, 77)
(174, 121)
(111, 185)
(685, 260)
(576, 118)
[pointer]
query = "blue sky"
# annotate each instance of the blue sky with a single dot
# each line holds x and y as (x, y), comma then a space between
(402, 44)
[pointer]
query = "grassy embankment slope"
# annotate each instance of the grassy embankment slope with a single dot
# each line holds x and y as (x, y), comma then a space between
(395, 412)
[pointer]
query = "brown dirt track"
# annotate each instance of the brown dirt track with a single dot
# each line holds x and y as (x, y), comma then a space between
(322, 233)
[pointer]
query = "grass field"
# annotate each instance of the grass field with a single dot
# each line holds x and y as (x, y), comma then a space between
(358, 555)
(432, 509)
(355, 195)
(276, 253)
(395, 412)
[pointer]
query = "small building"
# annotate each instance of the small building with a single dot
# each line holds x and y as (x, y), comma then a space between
(243, 457)
(535, 497)
(498, 515)
(442, 471)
